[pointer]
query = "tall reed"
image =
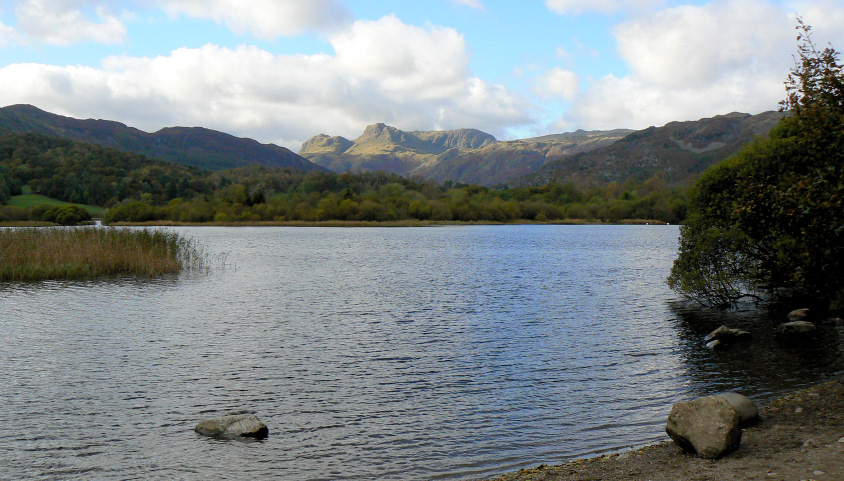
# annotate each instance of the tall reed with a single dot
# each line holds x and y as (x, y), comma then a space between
(28, 254)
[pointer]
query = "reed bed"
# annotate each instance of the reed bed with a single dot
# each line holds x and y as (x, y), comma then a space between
(31, 254)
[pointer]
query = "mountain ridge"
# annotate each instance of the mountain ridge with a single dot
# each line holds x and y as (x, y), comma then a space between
(676, 152)
(461, 155)
(194, 146)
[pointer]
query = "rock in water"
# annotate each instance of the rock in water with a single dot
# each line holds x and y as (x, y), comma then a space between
(727, 335)
(795, 330)
(717, 334)
(233, 426)
(745, 408)
(798, 315)
(707, 426)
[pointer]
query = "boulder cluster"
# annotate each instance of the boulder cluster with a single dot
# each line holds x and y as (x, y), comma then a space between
(796, 329)
(710, 426)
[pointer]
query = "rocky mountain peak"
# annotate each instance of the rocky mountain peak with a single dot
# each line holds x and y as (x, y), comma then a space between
(323, 143)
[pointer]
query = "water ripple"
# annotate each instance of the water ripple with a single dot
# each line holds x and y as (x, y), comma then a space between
(428, 353)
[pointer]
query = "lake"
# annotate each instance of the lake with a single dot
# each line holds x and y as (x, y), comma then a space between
(372, 353)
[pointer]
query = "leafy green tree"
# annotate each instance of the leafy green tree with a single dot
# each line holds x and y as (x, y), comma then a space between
(768, 223)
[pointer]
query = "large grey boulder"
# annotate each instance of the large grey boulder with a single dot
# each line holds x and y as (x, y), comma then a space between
(707, 426)
(794, 330)
(233, 426)
(745, 408)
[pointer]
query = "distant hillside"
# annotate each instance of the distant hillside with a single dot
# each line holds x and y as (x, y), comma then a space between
(464, 155)
(677, 152)
(85, 173)
(200, 147)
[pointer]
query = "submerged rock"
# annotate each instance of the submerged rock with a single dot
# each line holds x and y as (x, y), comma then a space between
(707, 426)
(233, 426)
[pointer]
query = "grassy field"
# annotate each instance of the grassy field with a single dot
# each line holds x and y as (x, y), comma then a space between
(86, 253)
(28, 199)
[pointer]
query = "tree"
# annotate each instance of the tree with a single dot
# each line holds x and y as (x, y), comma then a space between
(768, 223)
(5, 192)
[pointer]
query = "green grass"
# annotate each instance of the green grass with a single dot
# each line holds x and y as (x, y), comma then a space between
(32, 254)
(25, 201)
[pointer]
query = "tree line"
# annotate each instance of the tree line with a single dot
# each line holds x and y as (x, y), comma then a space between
(138, 189)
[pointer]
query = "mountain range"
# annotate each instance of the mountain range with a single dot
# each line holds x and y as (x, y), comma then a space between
(196, 146)
(677, 152)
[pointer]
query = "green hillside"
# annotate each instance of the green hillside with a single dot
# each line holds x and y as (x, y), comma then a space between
(199, 147)
(26, 201)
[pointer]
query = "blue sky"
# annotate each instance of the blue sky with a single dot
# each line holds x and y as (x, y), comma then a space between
(283, 70)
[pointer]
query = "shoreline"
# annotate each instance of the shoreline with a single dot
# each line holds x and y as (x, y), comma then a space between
(398, 223)
(800, 436)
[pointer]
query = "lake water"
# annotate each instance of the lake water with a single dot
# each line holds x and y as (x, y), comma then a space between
(418, 353)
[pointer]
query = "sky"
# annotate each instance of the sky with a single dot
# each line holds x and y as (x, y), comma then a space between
(282, 71)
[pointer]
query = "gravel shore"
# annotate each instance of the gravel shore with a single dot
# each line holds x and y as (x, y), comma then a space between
(799, 437)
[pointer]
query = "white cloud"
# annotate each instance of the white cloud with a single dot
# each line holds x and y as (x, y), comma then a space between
(576, 7)
(477, 4)
(265, 18)
(694, 46)
(382, 70)
(558, 82)
(694, 61)
(403, 60)
(826, 18)
(62, 22)
(8, 35)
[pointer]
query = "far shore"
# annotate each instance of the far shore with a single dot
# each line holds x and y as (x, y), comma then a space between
(800, 437)
(397, 223)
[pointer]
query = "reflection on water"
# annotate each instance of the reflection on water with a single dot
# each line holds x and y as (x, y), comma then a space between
(445, 353)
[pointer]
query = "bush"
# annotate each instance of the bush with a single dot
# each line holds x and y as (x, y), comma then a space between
(768, 223)
(131, 212)
(60, 214)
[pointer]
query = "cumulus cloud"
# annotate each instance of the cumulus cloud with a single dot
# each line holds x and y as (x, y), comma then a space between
(382, 70)
(576, 7)
(63, 22)
(693, 61)
(403, 60)
(693, 46)
(266, 19)
(558, 82)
